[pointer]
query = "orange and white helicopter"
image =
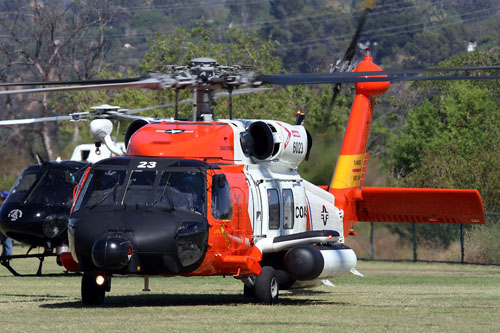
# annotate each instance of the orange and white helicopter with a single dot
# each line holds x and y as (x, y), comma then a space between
(205, 196)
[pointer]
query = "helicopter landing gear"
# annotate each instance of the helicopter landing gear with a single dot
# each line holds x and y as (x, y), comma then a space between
(285, 281)
(248, 292)
(266, 287)
(92, 292)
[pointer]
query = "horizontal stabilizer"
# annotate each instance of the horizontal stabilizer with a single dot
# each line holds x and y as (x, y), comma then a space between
(420, 205)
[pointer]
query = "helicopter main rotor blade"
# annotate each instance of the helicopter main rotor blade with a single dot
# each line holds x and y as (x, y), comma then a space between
(150, 83)
(164, 81)
(326, 78)
(33, 120)
(81, 82)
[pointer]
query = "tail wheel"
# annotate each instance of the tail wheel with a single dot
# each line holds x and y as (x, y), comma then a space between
(267, 286)
(92, 294)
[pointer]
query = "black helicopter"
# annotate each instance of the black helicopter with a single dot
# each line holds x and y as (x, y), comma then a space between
(36, 210)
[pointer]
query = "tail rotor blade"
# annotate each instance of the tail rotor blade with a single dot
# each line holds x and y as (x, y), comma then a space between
(345, 64)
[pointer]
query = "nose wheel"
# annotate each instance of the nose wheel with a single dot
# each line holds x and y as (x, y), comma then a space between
(92, 293)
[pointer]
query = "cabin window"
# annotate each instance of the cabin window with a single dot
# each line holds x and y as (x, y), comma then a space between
(222, 206)
(287, 209)
(274, 209)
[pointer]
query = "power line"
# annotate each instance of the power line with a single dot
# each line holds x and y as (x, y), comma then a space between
(400, 30)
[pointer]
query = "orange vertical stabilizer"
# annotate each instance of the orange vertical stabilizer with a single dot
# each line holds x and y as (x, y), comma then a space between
(349, 171)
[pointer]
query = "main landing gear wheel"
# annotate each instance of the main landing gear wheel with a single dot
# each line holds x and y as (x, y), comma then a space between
(266, 286)
(92, 293)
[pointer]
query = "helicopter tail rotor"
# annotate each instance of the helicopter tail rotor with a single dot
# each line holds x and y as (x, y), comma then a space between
(345, 64)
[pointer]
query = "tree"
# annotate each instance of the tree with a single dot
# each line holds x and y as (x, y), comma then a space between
(451, 140)
(50, 41)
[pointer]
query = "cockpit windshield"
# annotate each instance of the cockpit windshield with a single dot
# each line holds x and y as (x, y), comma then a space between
(181, 189)
(44, 185)
(173, 188)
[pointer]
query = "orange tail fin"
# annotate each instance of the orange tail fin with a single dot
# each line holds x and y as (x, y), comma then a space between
(352, 162)
(389, 204)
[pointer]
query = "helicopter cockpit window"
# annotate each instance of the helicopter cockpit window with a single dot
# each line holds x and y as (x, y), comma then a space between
(274, 209)
(23, 184)
(181, 190)
(139, 189)
(43, 186)
(103, 188)
(222, 206)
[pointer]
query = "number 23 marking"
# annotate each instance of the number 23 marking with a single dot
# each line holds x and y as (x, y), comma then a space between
(145, 164)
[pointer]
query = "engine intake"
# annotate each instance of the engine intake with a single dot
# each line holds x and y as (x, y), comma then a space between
(257, 141)
(273, 140)
(134, 127)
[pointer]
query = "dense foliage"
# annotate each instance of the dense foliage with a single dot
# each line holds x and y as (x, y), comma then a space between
(451, 139)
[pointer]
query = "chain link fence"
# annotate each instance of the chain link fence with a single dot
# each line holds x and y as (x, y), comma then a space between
(477, 244)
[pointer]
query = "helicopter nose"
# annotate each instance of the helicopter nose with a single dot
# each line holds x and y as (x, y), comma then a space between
(111, 252)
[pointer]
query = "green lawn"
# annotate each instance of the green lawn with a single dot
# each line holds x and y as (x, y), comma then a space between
(391, 297)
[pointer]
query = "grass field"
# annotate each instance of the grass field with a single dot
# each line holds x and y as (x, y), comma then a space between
(391, 297)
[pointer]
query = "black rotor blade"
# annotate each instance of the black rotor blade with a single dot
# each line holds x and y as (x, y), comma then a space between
(327, 78)
(345, 63)
(351, 50)
(426, 70)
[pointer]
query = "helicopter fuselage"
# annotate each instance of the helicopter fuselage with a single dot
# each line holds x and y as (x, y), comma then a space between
(224, 198)
(220, 210)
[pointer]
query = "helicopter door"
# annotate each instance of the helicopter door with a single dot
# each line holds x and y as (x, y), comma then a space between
(255, 206)
(294, 210)
(239, 231)
(271, 209)
(299, 209)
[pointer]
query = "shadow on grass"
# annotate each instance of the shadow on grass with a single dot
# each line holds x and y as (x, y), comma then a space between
(27, 298)
(167, 300)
